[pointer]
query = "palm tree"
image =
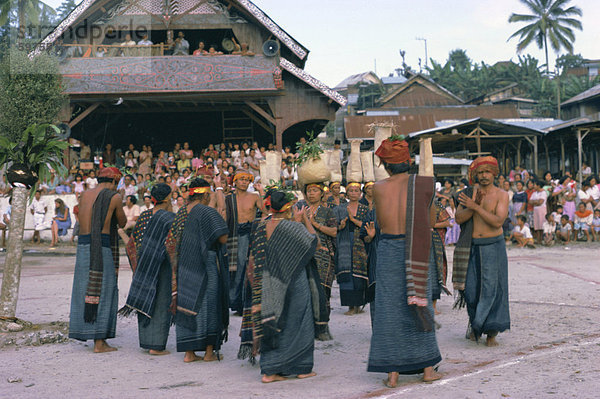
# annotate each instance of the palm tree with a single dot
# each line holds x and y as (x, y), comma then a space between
(550, 20)
(27, 12)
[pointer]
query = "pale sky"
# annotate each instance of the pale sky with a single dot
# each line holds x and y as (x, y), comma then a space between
(345, 37)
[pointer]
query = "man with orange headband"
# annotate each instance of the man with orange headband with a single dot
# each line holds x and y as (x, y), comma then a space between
(94, 299)
(403, 340)
(150, 291)
(480, 267)
(240, 211)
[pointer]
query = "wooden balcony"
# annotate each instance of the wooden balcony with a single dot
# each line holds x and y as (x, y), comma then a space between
(170, 74)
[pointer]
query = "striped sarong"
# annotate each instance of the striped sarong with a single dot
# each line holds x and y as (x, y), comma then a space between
(397, 343)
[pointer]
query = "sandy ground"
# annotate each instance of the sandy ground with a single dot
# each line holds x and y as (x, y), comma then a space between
(551, 351)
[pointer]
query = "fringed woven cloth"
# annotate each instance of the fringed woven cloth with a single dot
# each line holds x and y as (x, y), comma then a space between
(232, 239)
(437, 240)
(274, 264)
(371, 248)
(462, 253)
(151, 254)
(202, 226)
(94, 288)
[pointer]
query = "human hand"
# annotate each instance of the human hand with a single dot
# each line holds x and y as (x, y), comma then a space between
(467, 202)
(370, 227)
(299, 214)
(342, 224)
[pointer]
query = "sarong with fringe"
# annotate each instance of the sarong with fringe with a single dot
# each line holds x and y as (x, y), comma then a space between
(104, 326)
(351, 259)
(154, 332)
(397, 343)
(486, 289)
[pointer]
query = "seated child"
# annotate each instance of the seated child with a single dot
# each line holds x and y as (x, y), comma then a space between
(596, 225)
(549, 228)
(583, 222)
(521, 233)
(563, 234)
(557, 215)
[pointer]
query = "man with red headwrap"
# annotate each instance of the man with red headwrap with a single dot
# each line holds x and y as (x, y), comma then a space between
(95, 296)
(403, 340)
(480, 271)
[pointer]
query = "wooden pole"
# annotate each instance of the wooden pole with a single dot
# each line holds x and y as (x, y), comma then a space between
(547, 156)
(519, 153)
(535, 156)
(579, 154)
(562, 156)
(478, 139)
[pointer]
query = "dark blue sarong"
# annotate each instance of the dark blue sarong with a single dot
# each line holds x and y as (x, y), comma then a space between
(105, 324)
(154, 332)
(397, 344)
(486, 286)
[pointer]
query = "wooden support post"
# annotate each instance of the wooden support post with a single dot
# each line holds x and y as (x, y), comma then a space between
(535, 156)
(547, 156)
(478, 139)
(579, 155)
(519, 153)
(278, 136)
(504, 163)
(562, 157)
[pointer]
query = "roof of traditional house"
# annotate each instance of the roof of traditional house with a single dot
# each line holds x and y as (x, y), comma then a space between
(583, 96)
(423, 81)
(364, 77)
(169, 9)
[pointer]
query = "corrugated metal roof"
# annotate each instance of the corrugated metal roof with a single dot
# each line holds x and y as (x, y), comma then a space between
(354, 79)
(390, 80)
(589, 93)
(447, 161)
(490, 125)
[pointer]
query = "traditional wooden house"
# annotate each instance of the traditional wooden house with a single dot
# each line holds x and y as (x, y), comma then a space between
(203, 71)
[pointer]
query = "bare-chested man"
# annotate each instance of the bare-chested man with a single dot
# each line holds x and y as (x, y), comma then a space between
(480, 262)
(240, 210)
(403, 340)
(94, 299)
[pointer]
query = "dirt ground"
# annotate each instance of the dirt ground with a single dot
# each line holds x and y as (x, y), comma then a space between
(552, 349)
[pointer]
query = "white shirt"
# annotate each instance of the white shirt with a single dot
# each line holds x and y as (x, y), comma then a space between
(289, 175)
(91, 182)
(131, 212)
(594, 192)
(539, 195)
(145, 42)
(525, 231)
(144, 208)
(548, 228)
(38, 206)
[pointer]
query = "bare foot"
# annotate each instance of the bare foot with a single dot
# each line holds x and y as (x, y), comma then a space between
(491, 341)
(272, 378)
(430, 375)
(212, 358)
(311, 374)
(392, 380)
(155, 352)
(190, 356)
(351, 311)
(101, 346)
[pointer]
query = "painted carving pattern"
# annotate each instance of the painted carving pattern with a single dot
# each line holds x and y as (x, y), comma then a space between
(312, 81)
(167, 74)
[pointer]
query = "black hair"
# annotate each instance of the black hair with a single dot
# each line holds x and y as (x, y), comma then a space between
(522, 218)
(566, 217)
(396, 168)
(132, 199)
(448, 180)
(279, 199)
(559, 206)
(198, 182)
(105, 180)
(562, 179)
(465, 182)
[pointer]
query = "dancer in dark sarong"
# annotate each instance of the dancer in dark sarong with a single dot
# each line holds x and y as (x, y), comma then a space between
(324, 222)
(403, 340)
(287, 296)
(150, 291)
(94, 299)
(350, 255)
(240, 209)
(480, 267)
(200, 289)
(370, 234)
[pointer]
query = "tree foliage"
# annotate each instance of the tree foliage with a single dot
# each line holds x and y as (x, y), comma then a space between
(30, 92)
(549, 20)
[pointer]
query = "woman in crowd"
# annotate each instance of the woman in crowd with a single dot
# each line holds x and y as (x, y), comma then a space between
(61, 222)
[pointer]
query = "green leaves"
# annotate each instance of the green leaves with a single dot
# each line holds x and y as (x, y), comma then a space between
(309, 150)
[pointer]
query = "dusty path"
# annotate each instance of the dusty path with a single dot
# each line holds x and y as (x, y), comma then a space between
(551, 351)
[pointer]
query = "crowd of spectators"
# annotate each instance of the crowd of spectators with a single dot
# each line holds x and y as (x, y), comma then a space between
(542, 211)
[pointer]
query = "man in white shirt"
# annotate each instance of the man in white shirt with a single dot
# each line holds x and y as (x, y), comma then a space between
(147, 203)
(289, 175)
(253, 163)
(145, 41)
(38, 209)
